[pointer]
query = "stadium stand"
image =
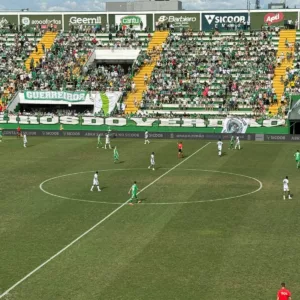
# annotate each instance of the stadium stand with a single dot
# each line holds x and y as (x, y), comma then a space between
(176, 73)
(15, 48)
(213, 74)
(140, 80)
(285, 56)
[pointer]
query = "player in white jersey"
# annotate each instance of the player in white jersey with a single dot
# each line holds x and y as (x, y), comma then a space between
(107, 141)
(237, 143)
(95, 182)
(286, 189)
(24, 140)
(220, 145)
(147, 137)
(152, 162)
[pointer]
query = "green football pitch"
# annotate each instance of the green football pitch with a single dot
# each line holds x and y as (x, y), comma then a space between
(208, 227)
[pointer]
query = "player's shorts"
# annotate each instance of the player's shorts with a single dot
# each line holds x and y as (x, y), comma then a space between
(179, 150)
(133, 195)
(152, 162)
(220, 148)
(286, 189)
(95, 182)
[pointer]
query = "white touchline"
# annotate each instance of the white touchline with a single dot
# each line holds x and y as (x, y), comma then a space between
(96, 225)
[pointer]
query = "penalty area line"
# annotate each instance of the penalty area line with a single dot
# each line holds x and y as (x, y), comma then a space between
(95, 226)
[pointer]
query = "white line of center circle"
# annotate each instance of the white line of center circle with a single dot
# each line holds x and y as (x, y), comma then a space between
(154, 203)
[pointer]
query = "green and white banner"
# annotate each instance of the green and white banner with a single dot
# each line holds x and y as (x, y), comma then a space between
(144, 122)
(134, 20)
(55, 96)
(106, 101)
(235, 125)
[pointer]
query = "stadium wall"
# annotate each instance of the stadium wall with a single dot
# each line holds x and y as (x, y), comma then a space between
(198, 20)
(93, 124)
(260, 137)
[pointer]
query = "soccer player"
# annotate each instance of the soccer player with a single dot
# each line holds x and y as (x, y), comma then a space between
(19, 132)
(1, 134)
(283, 293)
(231, 142)
(99, 143)
(25, 140)
(180, 149)
(116, 155)
(297, 157)
(237, 143)
(133, 190)
(147, 137)
(107, 141)
(152, 162)
(95, 182)
(286, 189)
(220, 145)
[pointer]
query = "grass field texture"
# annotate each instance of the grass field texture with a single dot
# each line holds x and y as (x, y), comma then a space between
(193, 236)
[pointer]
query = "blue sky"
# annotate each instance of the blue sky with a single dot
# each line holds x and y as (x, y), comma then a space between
(95, 5)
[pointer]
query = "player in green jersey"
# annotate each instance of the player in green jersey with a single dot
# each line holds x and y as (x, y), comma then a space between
(134, 191)
(116, 155)
(297, 158)
(99, 144)
(1, 134)
(231, 142)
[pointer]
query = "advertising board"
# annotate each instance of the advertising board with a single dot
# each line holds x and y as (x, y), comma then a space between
(42, 20)
(88, 19)
(5, 20)
(223, 21)
(135, 20)
(272, 18)
(180, 20)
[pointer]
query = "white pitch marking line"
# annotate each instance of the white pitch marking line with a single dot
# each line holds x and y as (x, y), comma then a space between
(218, 199)
(96, 225)
(154, 203)
(82, 200)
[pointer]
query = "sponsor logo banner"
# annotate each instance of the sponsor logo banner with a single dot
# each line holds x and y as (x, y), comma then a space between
(218, 20)
(5, 20)
(84, 20)
(235, 125)
(41, 20)
(180, 20)
(127, 134)
(259, 19)
(134, 20)
(55, 96)
(230, 125)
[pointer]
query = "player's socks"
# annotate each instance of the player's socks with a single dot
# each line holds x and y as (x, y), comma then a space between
(283, 197)
(290, 197)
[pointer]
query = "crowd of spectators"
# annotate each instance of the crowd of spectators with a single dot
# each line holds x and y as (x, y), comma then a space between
(224, 73)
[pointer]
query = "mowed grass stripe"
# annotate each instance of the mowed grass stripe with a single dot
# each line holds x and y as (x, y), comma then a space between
(95, 226)
(219, 250)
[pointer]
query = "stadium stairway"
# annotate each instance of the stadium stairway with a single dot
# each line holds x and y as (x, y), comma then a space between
(159, 37)
(290, 36)
(48, 40)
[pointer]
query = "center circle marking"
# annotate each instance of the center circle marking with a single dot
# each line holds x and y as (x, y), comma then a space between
(154, 203)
